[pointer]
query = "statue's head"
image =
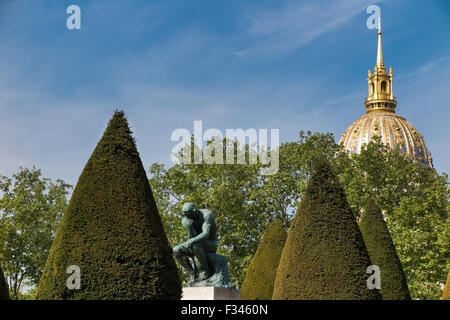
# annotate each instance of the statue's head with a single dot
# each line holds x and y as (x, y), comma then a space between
(189, 210)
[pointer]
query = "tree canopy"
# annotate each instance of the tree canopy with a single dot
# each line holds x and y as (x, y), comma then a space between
(415, 202)
(228, 191)
(242, 200)
(413, 198)
(31, 208)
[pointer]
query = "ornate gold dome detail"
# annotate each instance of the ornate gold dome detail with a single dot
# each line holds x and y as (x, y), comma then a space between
(381, 120)
(394, 131)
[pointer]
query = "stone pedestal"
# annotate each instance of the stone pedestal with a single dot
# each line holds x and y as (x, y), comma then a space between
(210, 293)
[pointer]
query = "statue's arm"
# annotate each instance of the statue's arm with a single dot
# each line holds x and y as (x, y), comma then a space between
(206, 230)
(188, 226)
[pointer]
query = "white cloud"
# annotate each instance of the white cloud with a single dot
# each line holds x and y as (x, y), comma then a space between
(427, 67)
(297, 24)
(350, 97)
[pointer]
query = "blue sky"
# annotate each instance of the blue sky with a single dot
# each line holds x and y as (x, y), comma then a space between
(287, 65)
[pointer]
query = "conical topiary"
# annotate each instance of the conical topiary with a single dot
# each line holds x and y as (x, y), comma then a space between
(446, 293)
(4, 291)
(111, 230)
(324, 256)
(260, 277)
(383, 254)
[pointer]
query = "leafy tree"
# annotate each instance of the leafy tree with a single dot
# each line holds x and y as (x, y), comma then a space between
(28, 295)
(413, 198)
(242, 199)
(260, 277)
(228, 191)
(415, 202)
(31, 208)
(4, 292)
(112, 230)
(324, 257)
(280, 194)
(383, 254)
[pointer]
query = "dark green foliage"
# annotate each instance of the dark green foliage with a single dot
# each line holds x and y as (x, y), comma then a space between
(324, 256)
(383, 254)
(112, 230)
(411, 196)
(446, 293)
(4, 292)
(260, 277)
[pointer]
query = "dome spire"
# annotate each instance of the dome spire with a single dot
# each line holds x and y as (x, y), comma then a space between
(380, 62)
(381, 93)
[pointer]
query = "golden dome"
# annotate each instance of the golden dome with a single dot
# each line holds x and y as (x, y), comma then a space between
(394, 131)
(381, 120)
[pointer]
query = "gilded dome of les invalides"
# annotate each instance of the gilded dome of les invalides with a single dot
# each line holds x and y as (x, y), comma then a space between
(381, 120)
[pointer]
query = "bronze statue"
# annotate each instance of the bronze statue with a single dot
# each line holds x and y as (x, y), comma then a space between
(208, 268)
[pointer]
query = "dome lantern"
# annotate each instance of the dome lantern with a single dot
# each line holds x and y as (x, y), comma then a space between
(381, 93)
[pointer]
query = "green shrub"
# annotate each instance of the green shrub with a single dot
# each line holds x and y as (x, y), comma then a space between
(324, 256)
(260, 277)
(383, 254)
(112, 230)
(4, 291)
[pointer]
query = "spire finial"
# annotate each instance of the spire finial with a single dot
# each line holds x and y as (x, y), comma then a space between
(380, 62)
(381, 94)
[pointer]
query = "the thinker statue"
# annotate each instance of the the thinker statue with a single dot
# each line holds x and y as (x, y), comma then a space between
(207, 268)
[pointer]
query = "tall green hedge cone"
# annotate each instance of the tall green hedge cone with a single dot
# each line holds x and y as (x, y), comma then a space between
(260, 277)
(446, 293)
(383, 254)
(111, 230)
(4, 291)
(324, 257)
